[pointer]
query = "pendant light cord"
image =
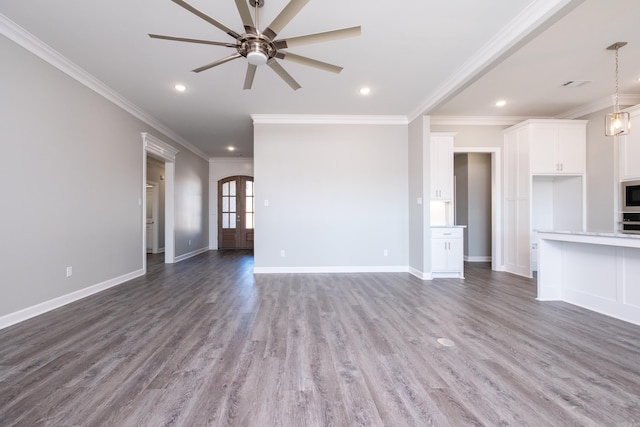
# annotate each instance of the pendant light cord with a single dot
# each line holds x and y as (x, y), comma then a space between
(616, 100)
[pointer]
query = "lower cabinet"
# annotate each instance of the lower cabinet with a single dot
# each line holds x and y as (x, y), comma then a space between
(447, 252)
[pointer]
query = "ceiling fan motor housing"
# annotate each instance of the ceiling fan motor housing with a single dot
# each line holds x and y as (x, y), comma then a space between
(257, 50)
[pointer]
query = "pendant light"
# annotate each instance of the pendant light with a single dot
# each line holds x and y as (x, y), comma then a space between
(617, 123)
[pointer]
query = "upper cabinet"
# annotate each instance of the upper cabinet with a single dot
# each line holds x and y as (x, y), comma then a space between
(442, 166)
(558, 147)
(629, 149)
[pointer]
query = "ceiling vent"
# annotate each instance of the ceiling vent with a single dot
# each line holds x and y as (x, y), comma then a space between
(576, 83)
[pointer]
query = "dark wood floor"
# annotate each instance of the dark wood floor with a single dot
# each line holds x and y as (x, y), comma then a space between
(204, 342)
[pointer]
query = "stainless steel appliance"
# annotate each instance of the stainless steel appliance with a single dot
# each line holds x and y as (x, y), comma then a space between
(630, 222)
(630, 196)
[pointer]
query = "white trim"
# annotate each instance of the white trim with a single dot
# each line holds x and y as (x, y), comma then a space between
(330, 269)
(166, 152)
(477, 258)
(599, 105)
(158, 147)
(191, 254)
(308, 119)
(169, 212)
(523, 25)
(38, 309)
(419, 274)
(22, 37)
(478, 120)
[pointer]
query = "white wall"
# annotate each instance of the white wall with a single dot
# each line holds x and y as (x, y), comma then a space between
(72, 174)
(219, 168)
(337, 197)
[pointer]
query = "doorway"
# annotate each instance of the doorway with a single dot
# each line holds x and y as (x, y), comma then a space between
(496, 209)
(152, 147)
(153, 216)
(236, 212)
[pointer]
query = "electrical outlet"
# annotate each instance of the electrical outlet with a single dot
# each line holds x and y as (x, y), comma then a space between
(69, 271)
(282, 252)
(189, 242)
(385, 252)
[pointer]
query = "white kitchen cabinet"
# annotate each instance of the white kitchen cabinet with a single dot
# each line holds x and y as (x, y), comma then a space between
(447, 252)
(551, 150)
(629, 149)
(441, 166)
(558, 147)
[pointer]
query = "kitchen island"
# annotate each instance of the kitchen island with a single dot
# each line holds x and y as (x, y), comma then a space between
(597, 271)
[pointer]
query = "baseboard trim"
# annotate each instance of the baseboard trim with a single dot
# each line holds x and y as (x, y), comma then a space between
(330, 269)
(191, 254)
(477, 258)
(419, 274)
(36, 310)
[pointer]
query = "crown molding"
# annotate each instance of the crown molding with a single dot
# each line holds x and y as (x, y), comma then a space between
(478, 120)
(531, 18)
(601, 104)
(308, 119)
(230, 159)
(28, 41)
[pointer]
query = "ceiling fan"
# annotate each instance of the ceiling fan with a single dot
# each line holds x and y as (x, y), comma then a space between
(262, 47)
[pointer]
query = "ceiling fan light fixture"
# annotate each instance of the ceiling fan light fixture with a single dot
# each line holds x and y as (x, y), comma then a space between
(257, 53)
(618, 122)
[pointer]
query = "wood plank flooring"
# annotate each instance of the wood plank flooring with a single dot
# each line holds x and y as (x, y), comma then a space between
(206, 343)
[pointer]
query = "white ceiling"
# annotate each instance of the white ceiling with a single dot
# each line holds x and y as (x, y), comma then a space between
(451, 58)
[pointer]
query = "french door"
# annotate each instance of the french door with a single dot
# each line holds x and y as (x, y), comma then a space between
(236, 212)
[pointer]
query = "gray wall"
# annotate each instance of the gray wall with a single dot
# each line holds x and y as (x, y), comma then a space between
(602, 175)
(461, 176)
(473, 203)
(337, 196)
(71, 170)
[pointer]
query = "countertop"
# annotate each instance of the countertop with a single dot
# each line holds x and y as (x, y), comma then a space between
(591, 233)
(448, 226)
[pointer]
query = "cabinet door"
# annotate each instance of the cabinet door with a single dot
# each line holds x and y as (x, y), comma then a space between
(455, 255)
(442, 168)
(571, 150)
(439, 255)
(544, 141)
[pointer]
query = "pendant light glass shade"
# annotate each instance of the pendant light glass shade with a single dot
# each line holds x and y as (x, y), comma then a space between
(617, 123)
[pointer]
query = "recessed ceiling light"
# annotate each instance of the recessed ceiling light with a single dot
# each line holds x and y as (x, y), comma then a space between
(501, 103)
(365, 91)
(180, 87)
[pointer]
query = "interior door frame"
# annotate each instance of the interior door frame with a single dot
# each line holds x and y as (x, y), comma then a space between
(497, 263)
(164, 152)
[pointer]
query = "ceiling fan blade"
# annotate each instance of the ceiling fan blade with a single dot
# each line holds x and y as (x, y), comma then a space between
(182, 39)
(318, 37)
(275, 66)
(207, 18)
(308, 61)
(287, 14)
(245, 15)
(251, 73)
(218, 62)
